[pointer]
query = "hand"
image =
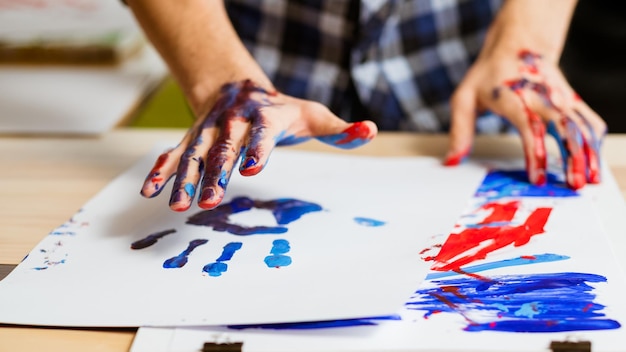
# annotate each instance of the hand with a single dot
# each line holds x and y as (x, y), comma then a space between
(246, 121)
(534, 96)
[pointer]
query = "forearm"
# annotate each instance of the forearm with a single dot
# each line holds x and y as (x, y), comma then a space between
(200, 46)
(538, 25)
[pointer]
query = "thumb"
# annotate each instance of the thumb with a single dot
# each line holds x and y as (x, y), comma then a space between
(330, 129)
(463, 119)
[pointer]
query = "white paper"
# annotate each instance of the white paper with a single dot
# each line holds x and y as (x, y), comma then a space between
(85, 273)
(577, 229)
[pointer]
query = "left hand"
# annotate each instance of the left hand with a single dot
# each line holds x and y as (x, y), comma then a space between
(535, 97)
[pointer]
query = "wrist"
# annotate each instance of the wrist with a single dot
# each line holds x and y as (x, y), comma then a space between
(536, 25)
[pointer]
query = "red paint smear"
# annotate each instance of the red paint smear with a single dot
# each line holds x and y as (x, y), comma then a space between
(358, 130)
(529, 257)
(456, 159)
(500, 212)
(497, 237)
(159, 164)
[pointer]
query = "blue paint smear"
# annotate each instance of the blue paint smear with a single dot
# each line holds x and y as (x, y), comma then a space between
(563, 301)
(369, 222)
(190, 189)
(218, 268)
(278, 259)
(180, 260)
(229, 251)
(336, 138)
(501, 183)
(150, 239)
(283, 140)
(538, 258)
(215, 269)
(284, 210)
(318, 324)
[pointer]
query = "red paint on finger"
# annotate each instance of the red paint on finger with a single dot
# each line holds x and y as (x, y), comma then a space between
(454, 159)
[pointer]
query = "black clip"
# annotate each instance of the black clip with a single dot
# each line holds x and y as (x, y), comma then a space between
(222, 347)
(570, 346)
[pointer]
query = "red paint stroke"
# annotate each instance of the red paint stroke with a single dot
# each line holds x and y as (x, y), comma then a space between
(482, 241)
(500, 212)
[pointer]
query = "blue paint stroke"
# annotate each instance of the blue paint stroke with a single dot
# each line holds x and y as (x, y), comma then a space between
(535, 259)
(318, 324)
(284, 210)
(283, 140)
(369, 222)
(501, 183)
(180, 260)
(278, 259)
(219, 267)
(561, 301)
(150, 239)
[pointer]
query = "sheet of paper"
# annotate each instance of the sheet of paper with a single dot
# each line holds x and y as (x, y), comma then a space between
(522, 268)
(313, 237)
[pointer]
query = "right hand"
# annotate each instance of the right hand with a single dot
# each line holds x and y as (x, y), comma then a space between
(247, 121)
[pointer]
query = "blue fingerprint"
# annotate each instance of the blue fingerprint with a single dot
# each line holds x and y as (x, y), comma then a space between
(369, 222)
(552, 302)
(501, 183)
(278, 259)
(180, 260)
(219, 267)
(535, 259)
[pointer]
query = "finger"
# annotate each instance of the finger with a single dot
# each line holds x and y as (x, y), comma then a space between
(514, 105)
(353, 136)
(221, 159)
(569, 139)
(463, 119)
(262, 138)
(593, 141)
(164, 168)
(328, 128)
(190, 169)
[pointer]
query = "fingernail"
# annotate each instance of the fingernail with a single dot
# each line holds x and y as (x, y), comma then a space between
(248, 162)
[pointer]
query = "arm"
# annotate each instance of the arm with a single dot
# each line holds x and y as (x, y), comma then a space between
(239, 112)
(516, 76)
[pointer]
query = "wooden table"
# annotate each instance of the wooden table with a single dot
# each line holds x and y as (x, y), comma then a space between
(45, 180)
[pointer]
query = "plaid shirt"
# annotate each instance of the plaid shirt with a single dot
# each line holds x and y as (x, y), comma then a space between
(395, 62)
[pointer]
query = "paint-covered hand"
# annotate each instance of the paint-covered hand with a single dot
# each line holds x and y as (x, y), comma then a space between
(536, 98)
(246, 123)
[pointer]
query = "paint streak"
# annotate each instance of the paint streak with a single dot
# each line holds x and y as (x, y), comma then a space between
(369, 222)
(358, 134)
(522, 260)
(500, 183)
(474, 244)
(219, 267)
(180, 260)
(151, 239)
(552, 302)
(277, 257)
(319, 324)
(284, 210)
